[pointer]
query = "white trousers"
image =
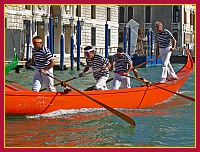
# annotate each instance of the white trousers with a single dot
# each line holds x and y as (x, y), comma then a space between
(40, 78)
(101, 83)
(120, 80)
(166, 65)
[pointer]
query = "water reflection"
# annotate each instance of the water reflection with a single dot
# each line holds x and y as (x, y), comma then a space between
(75, 130)
(86, 127)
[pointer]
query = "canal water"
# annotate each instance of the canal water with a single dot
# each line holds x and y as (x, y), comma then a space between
(169, 124)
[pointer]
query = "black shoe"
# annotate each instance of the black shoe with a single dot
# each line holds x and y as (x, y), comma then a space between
(67, 90)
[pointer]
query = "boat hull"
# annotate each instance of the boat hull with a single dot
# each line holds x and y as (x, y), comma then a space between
(23, 101)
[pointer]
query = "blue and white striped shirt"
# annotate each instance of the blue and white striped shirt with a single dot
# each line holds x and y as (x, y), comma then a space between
(122, 64)
(164, 38)
(42, 57)
(96, 63)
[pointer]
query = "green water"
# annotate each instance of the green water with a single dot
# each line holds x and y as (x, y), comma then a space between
(170, 124)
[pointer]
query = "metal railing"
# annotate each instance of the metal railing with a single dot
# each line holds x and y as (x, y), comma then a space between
(147, 25)
(175, 26)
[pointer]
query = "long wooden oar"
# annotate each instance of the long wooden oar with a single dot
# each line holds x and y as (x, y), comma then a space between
(119, 114)
(68, 80)
(59, 83)
(182, 95)
(146, 81)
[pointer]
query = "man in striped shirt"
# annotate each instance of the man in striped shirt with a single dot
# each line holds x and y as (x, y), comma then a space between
(123, 65)
(99, 66)
(165, 44)
(43, 60)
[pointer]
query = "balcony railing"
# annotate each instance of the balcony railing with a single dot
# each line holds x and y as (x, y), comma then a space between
(147, 26)
(175, 26)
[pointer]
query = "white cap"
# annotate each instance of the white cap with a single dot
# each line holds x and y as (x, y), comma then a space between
(85, 51)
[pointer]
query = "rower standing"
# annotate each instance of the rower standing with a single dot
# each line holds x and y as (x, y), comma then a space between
(99, 66)
(165, 44)
(43, 60)
(122, 66)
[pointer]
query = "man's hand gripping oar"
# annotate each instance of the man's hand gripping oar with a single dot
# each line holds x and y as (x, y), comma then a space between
(62, 83)
(148, 83)
(117, 113)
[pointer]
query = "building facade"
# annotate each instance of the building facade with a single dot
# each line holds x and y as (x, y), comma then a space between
(179, 19)
(22, 22)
